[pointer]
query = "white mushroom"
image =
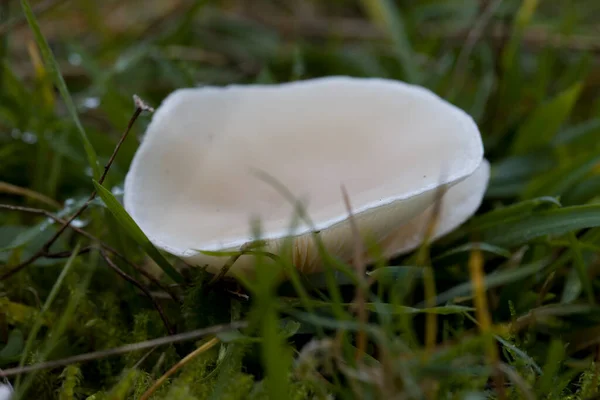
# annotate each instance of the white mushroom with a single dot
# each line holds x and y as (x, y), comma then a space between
(6, 391)
(193, 185)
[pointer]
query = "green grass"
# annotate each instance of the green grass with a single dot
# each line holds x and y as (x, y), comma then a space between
(504, 307)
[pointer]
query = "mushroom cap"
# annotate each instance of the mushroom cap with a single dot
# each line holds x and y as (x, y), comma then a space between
(458, 203)
(6, 392)
(193, 183)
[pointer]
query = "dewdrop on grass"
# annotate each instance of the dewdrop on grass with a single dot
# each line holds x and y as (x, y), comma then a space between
(193, 185)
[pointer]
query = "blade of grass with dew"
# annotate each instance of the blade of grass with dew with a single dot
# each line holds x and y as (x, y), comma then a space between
(33, 232)
(135, 232)
(60, 83)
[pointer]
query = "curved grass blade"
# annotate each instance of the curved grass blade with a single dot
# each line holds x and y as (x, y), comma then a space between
(51, 297)
(53, 69)
(552, 222)
(135, 232)
(491, 281)
(540, 129)
(467, 247)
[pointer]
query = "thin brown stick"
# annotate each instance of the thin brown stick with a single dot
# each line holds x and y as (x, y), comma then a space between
(40, 253)
(103, 249)
(47, 214)
(67, 254)
(9, 188)
(180, 337)
(134, 282)
(206, 346)
(166, 288)
(136, 114)
(140, 106)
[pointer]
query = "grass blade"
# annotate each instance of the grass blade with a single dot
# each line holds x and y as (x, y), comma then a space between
(135, 232)
(554, 360)
(386, 15)
(553, 222)
(53, 69)
(51, 297)
(539, 129)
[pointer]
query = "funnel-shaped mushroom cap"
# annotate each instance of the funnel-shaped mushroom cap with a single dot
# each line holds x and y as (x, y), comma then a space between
(193, 184)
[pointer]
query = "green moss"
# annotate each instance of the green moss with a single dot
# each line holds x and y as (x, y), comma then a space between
(71, 377)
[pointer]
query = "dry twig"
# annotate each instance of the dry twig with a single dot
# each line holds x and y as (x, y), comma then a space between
(206, 346)
(140, 106)
(180, 337)
(105, 246)
(45, 252)
(133, 281)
